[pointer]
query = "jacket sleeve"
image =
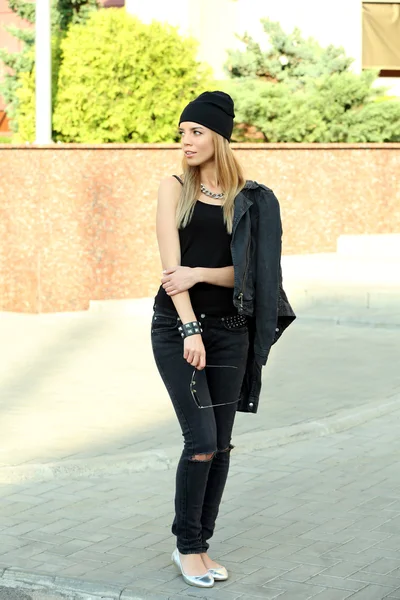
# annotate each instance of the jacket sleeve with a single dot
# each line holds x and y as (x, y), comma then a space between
(286, 315)
(268, 273)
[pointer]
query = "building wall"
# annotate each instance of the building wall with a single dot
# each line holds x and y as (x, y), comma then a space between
(214, 24)
(211, 22)
(337, 23)
(77, 223)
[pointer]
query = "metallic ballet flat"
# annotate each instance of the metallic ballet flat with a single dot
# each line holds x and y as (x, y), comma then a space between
(220, 574)
(203, 581)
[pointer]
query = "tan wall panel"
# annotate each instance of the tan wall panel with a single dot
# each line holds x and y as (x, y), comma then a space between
(77, 222)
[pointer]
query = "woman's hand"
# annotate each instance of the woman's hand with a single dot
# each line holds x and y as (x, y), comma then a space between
(179, 279)
(194, 351)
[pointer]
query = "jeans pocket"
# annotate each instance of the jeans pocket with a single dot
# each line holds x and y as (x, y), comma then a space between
(161, 323)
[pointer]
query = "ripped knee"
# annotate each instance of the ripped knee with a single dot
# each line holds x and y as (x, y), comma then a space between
(207, 457)
(228, 449)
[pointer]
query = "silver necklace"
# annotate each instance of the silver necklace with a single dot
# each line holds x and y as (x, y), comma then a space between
(207, 192)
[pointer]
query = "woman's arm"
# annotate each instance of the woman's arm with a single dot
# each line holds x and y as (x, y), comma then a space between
(168, 240)
(178, 279)
(170, 252)
(222, 276)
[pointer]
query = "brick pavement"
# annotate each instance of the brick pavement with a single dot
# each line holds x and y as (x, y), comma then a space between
(315, 518)
(319, 517)
(84, 386)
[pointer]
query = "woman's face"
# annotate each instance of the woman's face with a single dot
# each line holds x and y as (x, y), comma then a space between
(197, 143)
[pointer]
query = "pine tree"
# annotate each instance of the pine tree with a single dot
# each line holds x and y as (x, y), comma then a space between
(294, 90)
(63, 13)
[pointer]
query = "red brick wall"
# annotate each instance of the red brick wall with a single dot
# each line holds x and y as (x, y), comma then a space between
(77, 222)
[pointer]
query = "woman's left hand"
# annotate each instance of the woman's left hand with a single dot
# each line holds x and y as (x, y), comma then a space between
(179, 279)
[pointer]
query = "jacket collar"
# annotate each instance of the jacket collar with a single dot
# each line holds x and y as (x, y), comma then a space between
(250, 184)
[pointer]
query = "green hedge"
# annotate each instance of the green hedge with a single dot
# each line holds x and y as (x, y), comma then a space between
(123, 81)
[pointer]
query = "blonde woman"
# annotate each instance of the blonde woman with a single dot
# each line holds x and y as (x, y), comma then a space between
(219, 309)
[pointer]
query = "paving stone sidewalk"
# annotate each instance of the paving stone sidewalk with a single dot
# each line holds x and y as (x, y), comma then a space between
(316, 518)
(319, 517)
(83, 387)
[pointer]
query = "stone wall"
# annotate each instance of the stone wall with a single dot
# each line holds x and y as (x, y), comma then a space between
(77, 221)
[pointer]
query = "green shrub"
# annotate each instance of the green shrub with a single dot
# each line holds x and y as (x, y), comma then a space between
(297, 91)
(21, 64)
(25, 95)
(123, 81)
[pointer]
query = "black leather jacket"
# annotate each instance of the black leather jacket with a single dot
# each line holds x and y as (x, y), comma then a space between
(258, 292)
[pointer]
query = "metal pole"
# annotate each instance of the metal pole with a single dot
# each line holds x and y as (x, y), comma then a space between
(43, 72)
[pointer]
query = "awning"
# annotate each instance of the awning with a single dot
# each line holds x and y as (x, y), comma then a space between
(381, 35)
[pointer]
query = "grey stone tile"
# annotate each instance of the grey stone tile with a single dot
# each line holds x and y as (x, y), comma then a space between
(262, 576)
(372, 592)
(329, 581)
(175, 586)
(303, 573)
(110, 577)
(20, 562)
(300, 594)
(344, 568)
(394, 594)
(333, 595)
(152, 540)
(49, 557)
(316, 549)
(241, 554)
(377, 578)
(240, 541)
(27, 551)
(246, 590)
(86, 536)
(47, 538)
(10, 540)
(384, 566)
(22, 528)
(58, 526)
(214, 593)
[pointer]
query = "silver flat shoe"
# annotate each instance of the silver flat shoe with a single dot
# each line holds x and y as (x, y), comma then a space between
(220, 574)
(203, 581)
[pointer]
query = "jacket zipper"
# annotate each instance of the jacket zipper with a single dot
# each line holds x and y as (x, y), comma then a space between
(240, 296)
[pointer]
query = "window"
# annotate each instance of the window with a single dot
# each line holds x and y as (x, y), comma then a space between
(381, 37)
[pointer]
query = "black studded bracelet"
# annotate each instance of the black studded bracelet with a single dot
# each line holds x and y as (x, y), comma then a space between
(192, 328)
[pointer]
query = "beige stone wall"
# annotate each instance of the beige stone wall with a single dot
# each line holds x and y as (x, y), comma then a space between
(77, 221)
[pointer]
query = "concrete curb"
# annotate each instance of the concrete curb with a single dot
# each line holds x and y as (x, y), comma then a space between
(15, 578)
(348, 308)
(165, 458)
(82, 590)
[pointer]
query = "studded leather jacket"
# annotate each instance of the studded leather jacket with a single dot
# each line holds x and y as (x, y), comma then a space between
(258, 291)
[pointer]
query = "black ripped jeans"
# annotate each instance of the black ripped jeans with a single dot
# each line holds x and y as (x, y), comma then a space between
(200, 483)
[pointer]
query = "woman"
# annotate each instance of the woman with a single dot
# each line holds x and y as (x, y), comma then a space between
(215, 315)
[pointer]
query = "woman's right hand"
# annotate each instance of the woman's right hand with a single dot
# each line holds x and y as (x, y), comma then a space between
(194, 351)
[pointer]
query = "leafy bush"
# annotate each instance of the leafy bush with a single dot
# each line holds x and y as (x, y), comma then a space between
(63, 12)
(25, 95)
(123, 81)
(297, 91)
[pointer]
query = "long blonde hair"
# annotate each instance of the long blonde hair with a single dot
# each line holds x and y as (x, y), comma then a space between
(229, 174)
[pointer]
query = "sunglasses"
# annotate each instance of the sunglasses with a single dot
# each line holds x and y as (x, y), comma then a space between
(199, 387)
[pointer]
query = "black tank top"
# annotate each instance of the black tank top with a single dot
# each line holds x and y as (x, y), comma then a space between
(205, 242)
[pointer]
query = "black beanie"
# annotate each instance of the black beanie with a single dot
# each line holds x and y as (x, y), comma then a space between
(213, 110)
